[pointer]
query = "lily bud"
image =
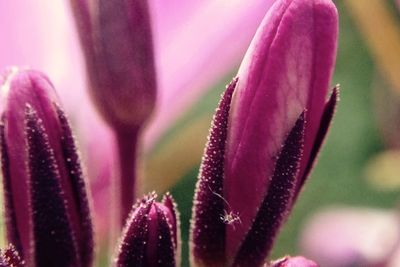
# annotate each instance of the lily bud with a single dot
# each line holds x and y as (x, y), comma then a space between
(47, 211)
(266, 134)
(117, 42)
(298, 261)
(151, 236)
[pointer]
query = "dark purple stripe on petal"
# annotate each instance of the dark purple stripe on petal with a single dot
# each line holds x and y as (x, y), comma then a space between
(52, 235)
(11, 258)
(169, 202)
(274, 208)
(325, 124)
(132, 249)
(10, 216)
(84, 233)
(165, 251)
(207, 227)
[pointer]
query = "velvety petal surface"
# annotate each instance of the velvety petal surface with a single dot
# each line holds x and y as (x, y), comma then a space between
(276, 203)
(20, 89)
(132, 249)
(82, 221)
(9, 257)
(149, 236)
(286, 70)
(207, 244)
(53, 241)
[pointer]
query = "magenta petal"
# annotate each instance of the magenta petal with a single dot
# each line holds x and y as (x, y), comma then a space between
(22, 88)
(81, 219)
(327, 116)
(164, 245)
(10, 215)
(132, 249)
(223, 30)
(53, 240)
(208, 229)
(277, 202)
(117, 42)
(148, 238)
(286, 70)
(173, 218)
(18, 89)
(297, 261)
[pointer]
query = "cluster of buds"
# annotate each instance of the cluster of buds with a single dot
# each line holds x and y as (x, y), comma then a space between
(265, 136)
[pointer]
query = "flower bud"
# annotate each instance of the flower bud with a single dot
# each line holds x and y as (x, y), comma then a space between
(117, 42)
(151, 236)
(265, 136)
(47, 211)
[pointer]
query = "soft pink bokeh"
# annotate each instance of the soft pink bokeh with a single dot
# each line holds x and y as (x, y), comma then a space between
(349, 236)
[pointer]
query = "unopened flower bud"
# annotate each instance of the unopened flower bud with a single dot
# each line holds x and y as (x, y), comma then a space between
(117, 43)
(266, 134)
(47, 211)
(151, 236)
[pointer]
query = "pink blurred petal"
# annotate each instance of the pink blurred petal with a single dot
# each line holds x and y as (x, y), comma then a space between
(286, 70)
(189, 38)
(297, 261)
(344, 237)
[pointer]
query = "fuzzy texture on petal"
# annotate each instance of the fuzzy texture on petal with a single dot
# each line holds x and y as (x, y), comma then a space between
(22, 88)
(10, 258)
(286, 70)
(83, 221)
(208, 227)
(18, 89)
(53, 240)
(149, 235)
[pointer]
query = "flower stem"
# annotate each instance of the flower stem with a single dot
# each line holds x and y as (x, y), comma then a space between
(127, 142)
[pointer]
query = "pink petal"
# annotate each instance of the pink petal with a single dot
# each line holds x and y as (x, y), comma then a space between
(189, 35)
(286, 70)
(350, 236)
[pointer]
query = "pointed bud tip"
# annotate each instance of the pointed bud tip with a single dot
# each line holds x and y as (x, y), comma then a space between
(150, 234)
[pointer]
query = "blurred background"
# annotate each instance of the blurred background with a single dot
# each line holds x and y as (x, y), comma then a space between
(358, 168)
